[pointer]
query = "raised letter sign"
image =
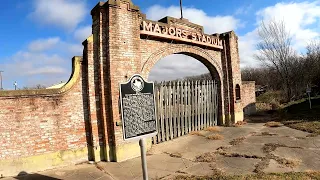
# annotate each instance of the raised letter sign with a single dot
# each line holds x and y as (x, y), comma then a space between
(138, 109)
(171, 32)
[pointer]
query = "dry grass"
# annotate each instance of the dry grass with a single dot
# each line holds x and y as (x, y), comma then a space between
(270, 147)
(215, 137)
(308, 126)
(240, 123)
(222, 148)
(237, 141)
(213, 129)
(289, 162)
(273, 124)
(196, 133)
(175, 155)
(263, 176)
(206, 157)
(266, 134)
(312, 135)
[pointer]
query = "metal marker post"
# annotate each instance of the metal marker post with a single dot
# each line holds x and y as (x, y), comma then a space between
(309, 100)
(142, 143)
(309, 91)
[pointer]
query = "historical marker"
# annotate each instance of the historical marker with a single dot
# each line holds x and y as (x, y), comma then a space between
(138, 114)
(138, 109)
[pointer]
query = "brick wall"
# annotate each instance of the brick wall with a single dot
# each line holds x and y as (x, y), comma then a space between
(85, 113)
(43, 122)
(248, 97)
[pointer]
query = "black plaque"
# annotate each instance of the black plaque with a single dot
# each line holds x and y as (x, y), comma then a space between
(138, 108)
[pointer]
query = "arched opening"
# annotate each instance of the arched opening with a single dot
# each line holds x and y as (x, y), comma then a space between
(179, 67)
(238, 94)
(190, 99)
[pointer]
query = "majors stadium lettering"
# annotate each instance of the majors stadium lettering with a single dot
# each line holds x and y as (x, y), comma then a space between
(156, 30)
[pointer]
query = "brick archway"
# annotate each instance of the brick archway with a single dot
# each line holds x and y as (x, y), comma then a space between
(124, 42)
(199, 54)
(192, 51)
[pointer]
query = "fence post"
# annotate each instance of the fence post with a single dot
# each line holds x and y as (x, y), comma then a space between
(170, 110)
(179, 107)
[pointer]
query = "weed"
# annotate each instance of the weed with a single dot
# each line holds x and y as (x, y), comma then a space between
(240, 123)
(237, 141)
(175, 155)
(197, 133)
(215, 137)
(273, 124)
(206, 157)
(213, 129)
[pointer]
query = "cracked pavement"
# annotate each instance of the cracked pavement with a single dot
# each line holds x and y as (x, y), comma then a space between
(260, 149)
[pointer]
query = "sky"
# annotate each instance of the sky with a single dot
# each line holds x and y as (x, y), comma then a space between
(39, 37)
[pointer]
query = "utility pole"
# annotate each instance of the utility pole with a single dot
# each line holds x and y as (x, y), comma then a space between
(15, 85)
(181, 9)
(1, 88)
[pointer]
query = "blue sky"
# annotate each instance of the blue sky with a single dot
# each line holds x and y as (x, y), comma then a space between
(39, 37)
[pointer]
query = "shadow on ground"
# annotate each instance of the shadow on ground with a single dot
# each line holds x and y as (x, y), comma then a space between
(25, 176)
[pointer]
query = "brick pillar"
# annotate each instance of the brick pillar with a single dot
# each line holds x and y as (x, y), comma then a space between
(96, 144)
(101, 88)
(226, 119)
(233, 78)
(116, 51)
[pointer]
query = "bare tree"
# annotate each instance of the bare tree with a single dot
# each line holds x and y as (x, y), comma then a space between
(312, 64)
(275, 51)
(38, 86)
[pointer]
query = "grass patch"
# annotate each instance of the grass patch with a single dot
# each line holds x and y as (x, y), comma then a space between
(263, 164)
(288, 162)
(227, 154)
(270, 147)
(273, 124)
(206, 157)
(312, 135)
(196, 133)
(308, 126)
(269, 176)
(237, 141)
(175, 155)
(222, 148)
(239, 123)
(267, 134)
(213, 129)
(215, 137)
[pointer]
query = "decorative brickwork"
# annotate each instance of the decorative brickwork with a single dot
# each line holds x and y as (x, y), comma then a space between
(40, 129)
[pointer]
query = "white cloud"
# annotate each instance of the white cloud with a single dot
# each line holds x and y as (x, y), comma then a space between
(301, 20)
(34, 67)
(243, 10)
(247, 45)
(176, 66)
(74, 49)
(66, 14)
(43, 44)
(297, 17)
(46, 70)
(55, 44)
(82, 33)
(212, 24)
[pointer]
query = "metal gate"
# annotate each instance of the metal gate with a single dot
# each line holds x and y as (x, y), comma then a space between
(185, 106)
